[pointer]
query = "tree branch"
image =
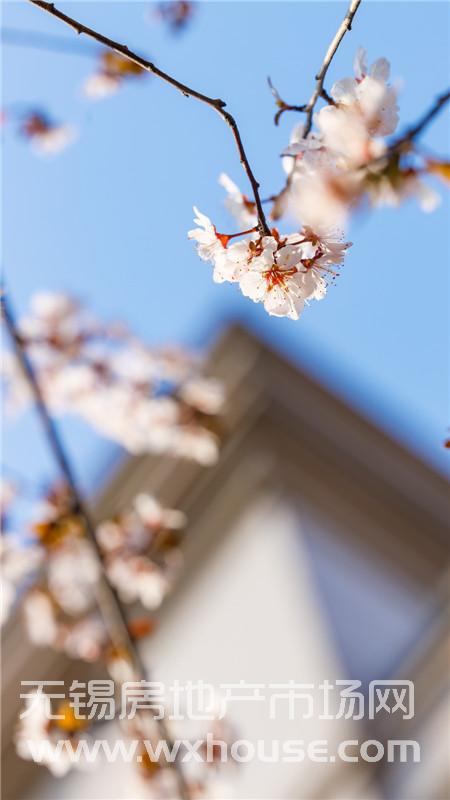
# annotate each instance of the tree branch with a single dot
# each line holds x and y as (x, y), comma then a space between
(109, 603)
(215, 103)
(403, 143)
(346, 25)
(415, 130)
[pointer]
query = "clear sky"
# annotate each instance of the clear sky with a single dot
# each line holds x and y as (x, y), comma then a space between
(107, 219)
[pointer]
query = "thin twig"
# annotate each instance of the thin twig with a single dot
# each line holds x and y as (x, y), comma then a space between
(281, 104)
(402, 143)
(346, 25)
(415, 130)
(109, 603)
(215, 103)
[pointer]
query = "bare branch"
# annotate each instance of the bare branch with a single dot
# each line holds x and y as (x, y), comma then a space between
(402, 144)
(415, 130)
(215, 103)
(346, 25)
(319, 91)
(109, 603)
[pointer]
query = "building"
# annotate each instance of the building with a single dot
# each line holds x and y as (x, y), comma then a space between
(317, 549)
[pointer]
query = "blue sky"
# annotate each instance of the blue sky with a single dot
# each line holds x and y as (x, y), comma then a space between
(107, 219)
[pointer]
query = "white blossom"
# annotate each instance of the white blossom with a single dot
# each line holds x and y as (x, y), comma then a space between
(369, 95)
(85, 639)
(239, 206)
(392, 190)
(7, 597)
(275, 277)
(153, 514)
(38, 733)
(346, 134)
(299, 146)
(230, 262)
(137, 578)
(321, 194)
(40, 619)
(197, 443)
(205, 394)
(100, 85)
(209, 242)
(73, 572)
(18, 561)
(54, 140)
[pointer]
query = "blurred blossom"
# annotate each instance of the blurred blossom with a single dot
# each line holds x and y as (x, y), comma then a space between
(113, 69)
(176, 14)
(141, 556)
(144, 399)
(238, 204)
(19, 559)
(8, 493)
(332, 171)
(72, 574)
(131, 544)
(86, 639)
(40, 618)
(36, 728)
(46, 136)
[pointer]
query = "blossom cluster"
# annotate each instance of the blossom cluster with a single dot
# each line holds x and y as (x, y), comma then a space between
(49, 724)
(144, 399)
(332, 170)
(58, 572)
(282, 272)
(19, 558)
(347, 159)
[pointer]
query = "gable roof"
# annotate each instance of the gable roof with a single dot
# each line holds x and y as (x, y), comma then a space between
(321, 446)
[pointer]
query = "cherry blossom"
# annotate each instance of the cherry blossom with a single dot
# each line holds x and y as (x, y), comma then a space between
(126, 390)
(176, 13)
(40, 618)
(154, 516)
(37, 729)
(112, 71)
(72, 575)
(281, 272)
(100, 85)
(205, 395)
(238, 204)
(86, 639)
(321, 193)
(276, 277)
(390, 184)
(19, 558)
(209, 243)
(47, 137)
(130, 544)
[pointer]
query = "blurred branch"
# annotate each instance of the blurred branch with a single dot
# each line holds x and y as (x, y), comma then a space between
(415, 130)
(43, 41)
(215, 103)
(109, 603)
(402, 144)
